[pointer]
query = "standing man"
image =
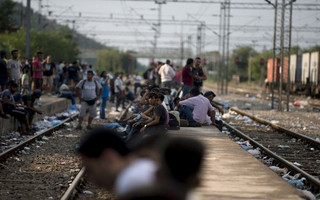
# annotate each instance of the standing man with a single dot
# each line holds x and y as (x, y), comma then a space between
(137, 83)
(187, 77)
(167, 74)
(74, 74)
(48, 74)
(119, 91)
(199, 72)
(104, 79)
(14, 67)
(37, 69)
(4, 73)
(88, 91)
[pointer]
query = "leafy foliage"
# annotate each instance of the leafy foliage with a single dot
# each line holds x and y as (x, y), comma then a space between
(6, 18)
(114, 60)
(59, 44)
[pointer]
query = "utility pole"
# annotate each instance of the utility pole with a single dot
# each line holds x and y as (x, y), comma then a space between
(28, 29)
(40, 8)
(283, 6)
(158, 26)
(228, 40)
(289, 56)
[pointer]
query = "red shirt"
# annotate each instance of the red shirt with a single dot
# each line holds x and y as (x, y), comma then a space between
(186, 75)
(37, 65)
(178, 76)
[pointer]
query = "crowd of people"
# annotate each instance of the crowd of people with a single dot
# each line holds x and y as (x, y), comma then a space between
(140, 157)
(165, 95)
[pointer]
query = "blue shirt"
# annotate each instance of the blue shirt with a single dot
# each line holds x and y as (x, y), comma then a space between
(105, 89)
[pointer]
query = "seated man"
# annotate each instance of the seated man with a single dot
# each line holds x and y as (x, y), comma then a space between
(159, 121)
(211, 95)
(65, 92)
(14, 109)
(28, 101)
(202, 108)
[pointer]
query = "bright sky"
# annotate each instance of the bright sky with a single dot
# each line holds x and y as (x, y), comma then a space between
(92, 18)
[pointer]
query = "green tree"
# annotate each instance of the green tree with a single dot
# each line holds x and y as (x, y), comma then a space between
(243, 53)
(113, 60)
(54, 43)
(7, 10)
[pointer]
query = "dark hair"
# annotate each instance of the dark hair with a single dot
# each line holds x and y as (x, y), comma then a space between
(102, 73)
(37, 92)
(189, 61)
(168, 62)
(3, 53)
(14, 51)
(74, 62)
(175, 100)
(155, 90)
(206, 94)
(142, 92)
(39, 52)
(100, 139)
(153, 95)
(161, 97)
(9, 83)
(90, 71)
(183, 158)
(25, 70)
(194, 91)
(13, 85)
(198, 58)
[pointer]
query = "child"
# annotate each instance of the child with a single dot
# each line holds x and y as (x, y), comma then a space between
(25, 82)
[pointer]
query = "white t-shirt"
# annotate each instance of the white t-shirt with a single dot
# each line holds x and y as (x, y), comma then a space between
(15, 69)
(137, 79)
(140, 173)
(166, 72)
(118, 82)
(63, 88)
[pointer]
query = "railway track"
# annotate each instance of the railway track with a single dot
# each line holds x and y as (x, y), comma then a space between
(287, 149)
(76, 187)
(31, 140)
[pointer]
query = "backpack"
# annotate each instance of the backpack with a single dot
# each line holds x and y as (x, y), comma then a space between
(173, 122)
(95, 82)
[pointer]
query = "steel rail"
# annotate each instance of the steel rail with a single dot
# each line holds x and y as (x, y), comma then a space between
(74, 185)
(279, 128)
(69, 192)
(314, 181)
(45, 132)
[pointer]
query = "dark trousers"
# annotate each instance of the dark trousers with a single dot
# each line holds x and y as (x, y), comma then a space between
(120, 99)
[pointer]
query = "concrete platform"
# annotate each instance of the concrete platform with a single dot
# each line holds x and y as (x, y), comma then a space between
(231, 173)
(50, 106)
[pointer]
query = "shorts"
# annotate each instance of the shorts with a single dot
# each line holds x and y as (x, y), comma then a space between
(85, 108)
(48, 80)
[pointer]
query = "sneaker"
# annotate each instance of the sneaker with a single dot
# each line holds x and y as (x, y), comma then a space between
(117, 111)
(79, 127)
(89, 127)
